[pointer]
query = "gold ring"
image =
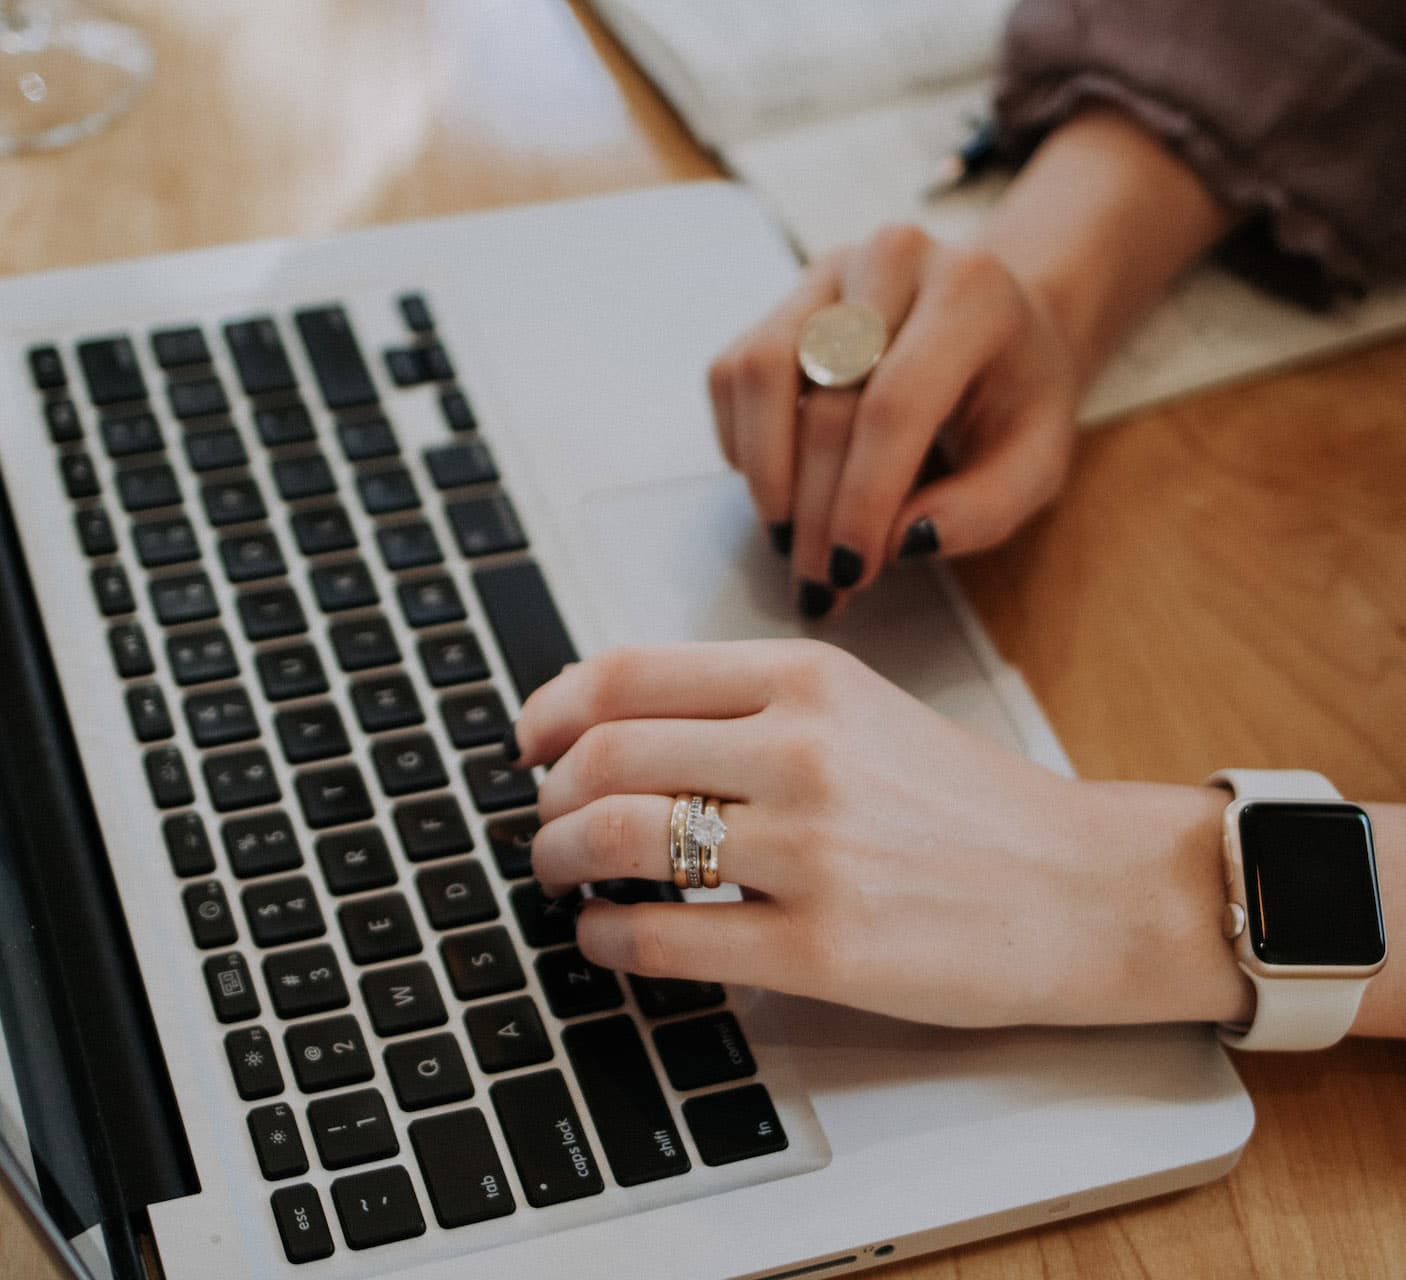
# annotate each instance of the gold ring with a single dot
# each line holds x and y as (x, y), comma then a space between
(678, 828)
(841, 344)
(712, 831)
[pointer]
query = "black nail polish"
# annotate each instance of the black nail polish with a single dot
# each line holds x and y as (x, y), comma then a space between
(920, 540)
(511, 750)
(815, 599)
(846, 567)
(781, 533)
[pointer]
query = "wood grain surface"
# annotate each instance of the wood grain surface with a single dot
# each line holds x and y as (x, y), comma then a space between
(1223, 582)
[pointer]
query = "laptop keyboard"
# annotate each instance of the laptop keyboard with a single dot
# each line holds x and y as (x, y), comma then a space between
(323, 752)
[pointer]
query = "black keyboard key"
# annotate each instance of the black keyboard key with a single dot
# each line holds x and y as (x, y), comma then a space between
(146, 705)
(437, 362)
(130, 654)
(80, 480)
(482, 962)
(176, 348)
(131, 434)
(364, 642)
(271, 613)
(241, 780)
(486, 525)
(170, 783)
(416, 313)
(307, 476)
(456, 894)
(333, 797)
(408, 546)
(62, 417)
(406, 366)
(660, 997)
(737, 1124)
(292, 672)
(328, 1054)
(252, 1060)
(164, 542)
(409, 764)
(454, 465)
(507, 1034)
(433, 828)
(497, 785)
(46, 368)
(630, 890)
(548, 1145)
(385, 491)
(323, 529)
(525, 619)
(188, 597)
(476, 718)
(284, 424)
(403, 998)
(111, 371)
(386, 702)
(633, 1120)
(311, 733)
(453, 657)
(574, 986)
(218, 719)
(187, 845)
(356, 860)
(197, 398)
(250, 556)
(336, 358)
(283, 911)
(305, 980)
(544, 921)
(208, 914)
(366, 440)
(232, 502)
(428, 1072)
(461, 1168)
(277, 1143)
(428, 602)
(703, 1051)
(457, 411)
(215, 450)
(113, 591)
(511, 841)
(378, 1207)
(147, 488)
(259, 356)
(352, 1128)
(379, 928)
(231, 988)
(261, 844)
(200, 656)
(302, 1226)
(347, 585)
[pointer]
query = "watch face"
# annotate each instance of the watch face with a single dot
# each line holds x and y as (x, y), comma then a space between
(1311, 884)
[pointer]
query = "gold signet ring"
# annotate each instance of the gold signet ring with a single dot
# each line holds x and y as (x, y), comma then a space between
(841, 344)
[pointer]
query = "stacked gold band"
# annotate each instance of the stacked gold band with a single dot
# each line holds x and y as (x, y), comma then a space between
(695, 831)
(678, 836)
(708, 852)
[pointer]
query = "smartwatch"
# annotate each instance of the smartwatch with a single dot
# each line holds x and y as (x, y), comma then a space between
(1303, 913)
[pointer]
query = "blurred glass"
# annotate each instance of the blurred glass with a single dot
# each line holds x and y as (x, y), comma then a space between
(64, 72)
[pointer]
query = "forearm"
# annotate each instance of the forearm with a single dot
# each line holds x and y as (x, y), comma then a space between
(1098, 223)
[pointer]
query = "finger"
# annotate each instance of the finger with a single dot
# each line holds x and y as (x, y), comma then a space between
(653, 757)
(685, 681)
(628, 836)
(707, 942)
(825, 418)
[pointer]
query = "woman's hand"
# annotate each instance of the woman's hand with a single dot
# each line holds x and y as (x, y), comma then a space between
(894, 860)
(974, 359)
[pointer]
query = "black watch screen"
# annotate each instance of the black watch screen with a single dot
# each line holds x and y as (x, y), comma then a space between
(1311, 884)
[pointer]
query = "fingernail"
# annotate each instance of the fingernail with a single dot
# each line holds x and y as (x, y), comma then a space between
(781, 533)
(815, 599)
(511, 750)
(920, 540)
(846, 567)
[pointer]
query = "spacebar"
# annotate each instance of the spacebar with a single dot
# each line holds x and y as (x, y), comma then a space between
(525, 619)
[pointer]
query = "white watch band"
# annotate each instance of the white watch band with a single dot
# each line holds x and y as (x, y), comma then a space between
(1291, 1013)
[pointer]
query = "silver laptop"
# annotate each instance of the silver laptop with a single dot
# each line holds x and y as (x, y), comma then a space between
(290, 530)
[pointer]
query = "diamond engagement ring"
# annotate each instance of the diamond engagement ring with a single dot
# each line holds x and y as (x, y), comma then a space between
(841, 344)
(706, 832)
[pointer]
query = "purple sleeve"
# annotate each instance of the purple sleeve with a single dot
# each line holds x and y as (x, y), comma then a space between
(1292, 112)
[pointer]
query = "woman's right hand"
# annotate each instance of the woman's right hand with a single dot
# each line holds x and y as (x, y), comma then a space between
(974, 361)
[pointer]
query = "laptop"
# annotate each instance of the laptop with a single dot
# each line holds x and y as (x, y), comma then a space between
(290, 529)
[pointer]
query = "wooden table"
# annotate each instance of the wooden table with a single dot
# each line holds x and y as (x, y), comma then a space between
(1223, 582)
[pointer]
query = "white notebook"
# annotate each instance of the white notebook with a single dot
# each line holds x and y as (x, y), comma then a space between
(839, 112)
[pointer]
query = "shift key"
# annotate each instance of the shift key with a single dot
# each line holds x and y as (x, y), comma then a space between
(548, 1145)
